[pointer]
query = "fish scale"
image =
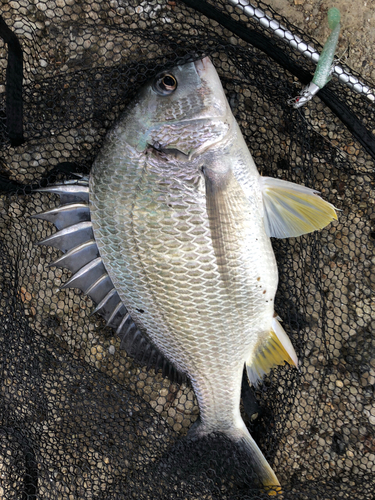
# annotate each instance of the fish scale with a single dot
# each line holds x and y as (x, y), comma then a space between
(183, 263)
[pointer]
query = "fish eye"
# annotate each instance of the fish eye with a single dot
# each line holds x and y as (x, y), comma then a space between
(165, 84)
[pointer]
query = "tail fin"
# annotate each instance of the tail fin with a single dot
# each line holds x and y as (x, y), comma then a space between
(239, 434)
(262, 468)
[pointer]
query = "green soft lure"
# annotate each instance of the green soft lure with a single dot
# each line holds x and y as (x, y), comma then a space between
(324, 66)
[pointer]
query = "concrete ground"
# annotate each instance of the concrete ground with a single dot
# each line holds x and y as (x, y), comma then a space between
(357, 37)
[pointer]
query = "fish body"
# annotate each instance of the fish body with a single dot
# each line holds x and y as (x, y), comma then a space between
(182, 221)
(199, 283)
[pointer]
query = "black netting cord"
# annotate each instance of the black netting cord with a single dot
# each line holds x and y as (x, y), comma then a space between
(13, 87)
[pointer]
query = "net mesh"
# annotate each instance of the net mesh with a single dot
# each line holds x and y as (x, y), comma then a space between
(80, 419)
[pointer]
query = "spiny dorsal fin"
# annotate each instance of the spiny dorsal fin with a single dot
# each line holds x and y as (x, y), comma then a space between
(78, 256)
(292, 210)
(70, 237)
(70, 191)
(275, 350)
(66, 215)
(86, 276)
(75, 237)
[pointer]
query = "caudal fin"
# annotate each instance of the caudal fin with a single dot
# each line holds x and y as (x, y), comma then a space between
(262, 468)
(238, 433)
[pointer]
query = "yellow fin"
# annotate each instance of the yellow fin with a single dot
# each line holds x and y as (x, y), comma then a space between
(292, 210)
(273, 351)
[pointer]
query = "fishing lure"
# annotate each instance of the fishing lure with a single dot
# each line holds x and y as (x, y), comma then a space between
(324, 67)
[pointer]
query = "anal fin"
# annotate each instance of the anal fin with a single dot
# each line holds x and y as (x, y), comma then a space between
(275, 350)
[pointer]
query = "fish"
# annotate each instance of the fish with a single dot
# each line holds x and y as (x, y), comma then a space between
(171, 236)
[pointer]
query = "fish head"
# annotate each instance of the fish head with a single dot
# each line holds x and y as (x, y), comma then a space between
(182, 111)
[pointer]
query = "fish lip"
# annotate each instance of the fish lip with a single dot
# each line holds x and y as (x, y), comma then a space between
(203, 66)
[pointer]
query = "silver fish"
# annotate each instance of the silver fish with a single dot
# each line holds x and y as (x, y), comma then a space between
(178, 253)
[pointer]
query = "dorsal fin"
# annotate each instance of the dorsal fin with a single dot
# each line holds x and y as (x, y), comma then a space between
(66, 215)
(70, 237)
(75, 238)
(70, 192)
(78, 256)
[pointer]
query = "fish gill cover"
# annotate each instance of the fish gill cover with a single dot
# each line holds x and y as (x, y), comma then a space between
(79, 417)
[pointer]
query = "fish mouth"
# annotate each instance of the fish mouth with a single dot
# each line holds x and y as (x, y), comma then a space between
(166, 152)
(205, 68)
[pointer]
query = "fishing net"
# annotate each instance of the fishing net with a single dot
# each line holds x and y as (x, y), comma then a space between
(80, 418)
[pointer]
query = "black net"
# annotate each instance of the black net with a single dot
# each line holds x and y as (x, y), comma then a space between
(80, 419)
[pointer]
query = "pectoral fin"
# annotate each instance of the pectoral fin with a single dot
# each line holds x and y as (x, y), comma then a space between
(292, 210)
(273, 351)
(227, 208)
